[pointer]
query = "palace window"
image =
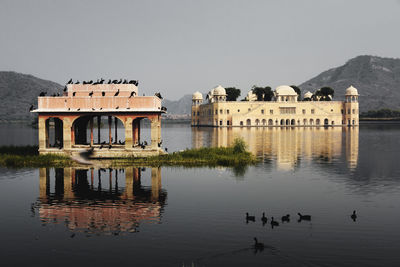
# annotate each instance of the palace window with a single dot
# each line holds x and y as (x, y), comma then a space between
(348, 112)
(312, 111)
(304, 111)
(249, 109)
(271, 111)
(262, 111)
(198, 113)
(238, 110)
(220, 111)
(341, 111)
(216, 112)
(286, 110)
(354, 111)
(227, 111)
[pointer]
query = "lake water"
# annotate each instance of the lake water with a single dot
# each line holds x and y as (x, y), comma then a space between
(174, 216)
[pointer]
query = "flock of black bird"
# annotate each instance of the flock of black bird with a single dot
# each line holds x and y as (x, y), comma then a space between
(102, 81)
(284, 219)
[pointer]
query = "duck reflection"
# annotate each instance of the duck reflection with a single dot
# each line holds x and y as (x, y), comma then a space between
(287, 146)
(104, 201)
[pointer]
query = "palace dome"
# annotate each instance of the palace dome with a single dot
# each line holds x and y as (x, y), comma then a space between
(351, 91)
(308, 94)
(219, 90)
(197, 96)
(285, 90)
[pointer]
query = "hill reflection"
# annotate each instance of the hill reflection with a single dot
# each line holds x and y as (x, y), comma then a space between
(104, 201)
(287, 145)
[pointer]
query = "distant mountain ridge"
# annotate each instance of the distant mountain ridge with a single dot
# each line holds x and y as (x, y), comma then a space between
(18, 91)
(377, 80)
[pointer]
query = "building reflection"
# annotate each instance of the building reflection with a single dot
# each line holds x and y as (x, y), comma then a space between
(286, 145)
(104, 201)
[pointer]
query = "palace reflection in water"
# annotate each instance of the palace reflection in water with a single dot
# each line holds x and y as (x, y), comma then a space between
(104, 201)
(286, 145)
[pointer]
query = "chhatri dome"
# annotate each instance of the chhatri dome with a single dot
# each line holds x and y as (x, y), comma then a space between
(351, 91)
(197, 96)
(219, 90)
(308, 94)
(285, 90)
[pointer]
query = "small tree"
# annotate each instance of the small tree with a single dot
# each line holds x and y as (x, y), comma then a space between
(239, 145)
(263, 93)
(268, 93)
(232, 93)
(298, 91)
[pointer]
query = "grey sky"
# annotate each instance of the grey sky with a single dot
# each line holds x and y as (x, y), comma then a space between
(178, 47)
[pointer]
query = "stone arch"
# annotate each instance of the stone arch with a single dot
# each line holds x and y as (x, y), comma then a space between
(305, 122)
(326, 122)
(293, 122)
(248, 122)
(282, 122)
(98, 130)
(317, 122)
(257, 122)
(287, 122)
(270, 122)
(264, 122)
(54, 132)
(311, 122)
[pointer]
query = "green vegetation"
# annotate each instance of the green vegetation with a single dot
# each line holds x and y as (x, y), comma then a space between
(263, 93)
(323, 94)
(381, 113)
(232, 93)
(233, 156)
(236, 155)
(297, 90)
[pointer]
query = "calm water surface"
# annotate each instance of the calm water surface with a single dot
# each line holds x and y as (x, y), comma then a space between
(196, 217)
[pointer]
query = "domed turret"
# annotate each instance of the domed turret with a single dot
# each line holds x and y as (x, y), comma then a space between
(351, 91)
(218, 94)
(308, 95)
(219, 90)
(285, 93)
(197, 96)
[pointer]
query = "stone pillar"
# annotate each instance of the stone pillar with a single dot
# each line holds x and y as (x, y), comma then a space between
(155, 183)
(116, 129)
(42, 133)
(91, 131)
(155, 125)
(128, 133)
(47, 123)
(98, 129)
(67, 133)
(109, 130)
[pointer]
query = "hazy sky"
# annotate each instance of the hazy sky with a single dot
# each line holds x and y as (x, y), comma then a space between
(178, 47)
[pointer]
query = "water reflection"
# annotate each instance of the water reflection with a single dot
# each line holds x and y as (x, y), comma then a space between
(287, 145)
(104, 201)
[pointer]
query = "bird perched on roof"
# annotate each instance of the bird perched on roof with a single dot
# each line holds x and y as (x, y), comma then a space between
(91, 94)
(117, 107)
(77, 82)
(132, 94)
(115, 81)
(120, 81)
(70, 81)
(125, 82)
(65, 88)
(117, 93)
(109, 81)
(158, 95)
(101, 81)
(42, 93)
(31, 108)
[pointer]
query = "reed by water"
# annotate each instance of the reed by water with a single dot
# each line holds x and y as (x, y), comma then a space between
(235, 155)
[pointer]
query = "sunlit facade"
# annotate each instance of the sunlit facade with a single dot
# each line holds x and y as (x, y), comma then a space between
(284, 110)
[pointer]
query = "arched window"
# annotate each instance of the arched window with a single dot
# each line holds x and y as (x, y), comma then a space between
(257, 122)
(326, 122)
(317, 122)
(293, 122)
(287, 122)
(54, 130)
(311, 122)
(270, 122)
(305, 122)
(282, 122)
(264, 122)
(248, 122)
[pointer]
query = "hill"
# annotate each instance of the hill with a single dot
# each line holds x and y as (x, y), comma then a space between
(377, 80)
(18, 91)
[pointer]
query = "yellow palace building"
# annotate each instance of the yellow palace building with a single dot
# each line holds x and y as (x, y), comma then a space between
(284, 110)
